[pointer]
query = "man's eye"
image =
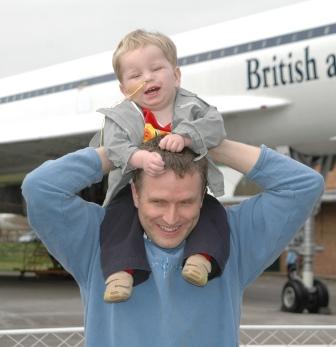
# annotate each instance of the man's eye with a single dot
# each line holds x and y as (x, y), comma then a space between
(185, 203)
(157, 68)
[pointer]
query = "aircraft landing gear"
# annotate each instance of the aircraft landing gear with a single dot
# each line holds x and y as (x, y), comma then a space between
(302, 291)
(295, 297)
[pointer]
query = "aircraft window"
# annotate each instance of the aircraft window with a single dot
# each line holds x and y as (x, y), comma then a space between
(272, 42)
(105, 78)
(318, 32)
(333, 28)
(257, 45)
(301, 35)
(286, 38)
(204, 56)
(228, 51)
(215, 54)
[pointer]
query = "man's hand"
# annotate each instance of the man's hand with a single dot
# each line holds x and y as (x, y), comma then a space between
(174, 143)
(106, 164)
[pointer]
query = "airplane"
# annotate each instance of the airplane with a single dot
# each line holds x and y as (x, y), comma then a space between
(272, 75)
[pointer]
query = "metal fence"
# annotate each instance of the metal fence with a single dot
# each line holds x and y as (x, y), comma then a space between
(55, 337)
(250, 335)
(288, 335)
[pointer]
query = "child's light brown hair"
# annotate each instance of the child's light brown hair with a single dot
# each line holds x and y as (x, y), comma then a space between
(141, 38)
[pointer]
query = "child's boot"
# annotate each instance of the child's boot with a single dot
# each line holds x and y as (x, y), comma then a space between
(196, 270)
(118, 287)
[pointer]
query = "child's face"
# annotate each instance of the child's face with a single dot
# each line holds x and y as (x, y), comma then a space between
(148, 64)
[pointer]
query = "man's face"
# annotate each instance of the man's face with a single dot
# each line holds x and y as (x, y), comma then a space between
(168, 206)
(149, 65)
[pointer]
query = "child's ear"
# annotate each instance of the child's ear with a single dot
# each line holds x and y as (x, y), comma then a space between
(122, 89)
(177, 74)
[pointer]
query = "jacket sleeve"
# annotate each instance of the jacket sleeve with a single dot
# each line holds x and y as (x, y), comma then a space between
(205, 127)
(66, 224)
(263, 225)
(118, 145)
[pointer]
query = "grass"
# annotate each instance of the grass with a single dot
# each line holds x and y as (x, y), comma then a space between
(31, 256)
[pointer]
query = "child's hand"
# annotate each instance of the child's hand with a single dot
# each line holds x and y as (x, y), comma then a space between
(173, 143)
(152, 163)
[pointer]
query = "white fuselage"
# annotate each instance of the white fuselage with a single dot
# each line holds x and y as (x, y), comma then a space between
(272, 75)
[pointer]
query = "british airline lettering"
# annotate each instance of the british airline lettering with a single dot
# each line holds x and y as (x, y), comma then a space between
(284, 71)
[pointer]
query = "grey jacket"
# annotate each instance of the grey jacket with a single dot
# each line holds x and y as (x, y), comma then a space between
(124, 130)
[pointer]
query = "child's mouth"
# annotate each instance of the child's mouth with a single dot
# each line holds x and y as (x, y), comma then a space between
(152, 90)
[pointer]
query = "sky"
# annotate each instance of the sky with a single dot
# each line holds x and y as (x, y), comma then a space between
(39, 33)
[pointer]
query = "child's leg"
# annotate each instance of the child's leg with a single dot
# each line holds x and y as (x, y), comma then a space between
(208, 246)
(122, 247)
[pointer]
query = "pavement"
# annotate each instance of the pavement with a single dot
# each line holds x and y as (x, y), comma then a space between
(48, 302)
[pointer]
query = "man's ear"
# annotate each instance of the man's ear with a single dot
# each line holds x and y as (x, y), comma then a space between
(203, 196)
(135, 195)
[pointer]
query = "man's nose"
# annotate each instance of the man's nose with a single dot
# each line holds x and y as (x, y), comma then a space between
(171, 215)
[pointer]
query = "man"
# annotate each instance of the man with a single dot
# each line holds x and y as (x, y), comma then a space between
(165, 310)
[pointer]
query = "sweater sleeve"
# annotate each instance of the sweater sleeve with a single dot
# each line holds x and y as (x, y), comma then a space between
(66, 224)
(263, 225)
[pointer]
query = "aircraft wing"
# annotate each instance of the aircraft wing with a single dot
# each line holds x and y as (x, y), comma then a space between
(20, 157)
(236, 104)
(35, 137)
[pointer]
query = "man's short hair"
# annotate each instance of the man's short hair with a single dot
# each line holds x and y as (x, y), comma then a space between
(181, 163)
(141, 38)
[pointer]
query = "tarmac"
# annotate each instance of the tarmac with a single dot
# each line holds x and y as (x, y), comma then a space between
(49, 302)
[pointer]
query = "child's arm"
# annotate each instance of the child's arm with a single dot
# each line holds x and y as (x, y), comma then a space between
(150, 162)
(122, 151)
(201, 123)
(175, 142)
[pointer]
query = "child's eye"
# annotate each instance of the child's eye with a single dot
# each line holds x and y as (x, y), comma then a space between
(157, 68)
